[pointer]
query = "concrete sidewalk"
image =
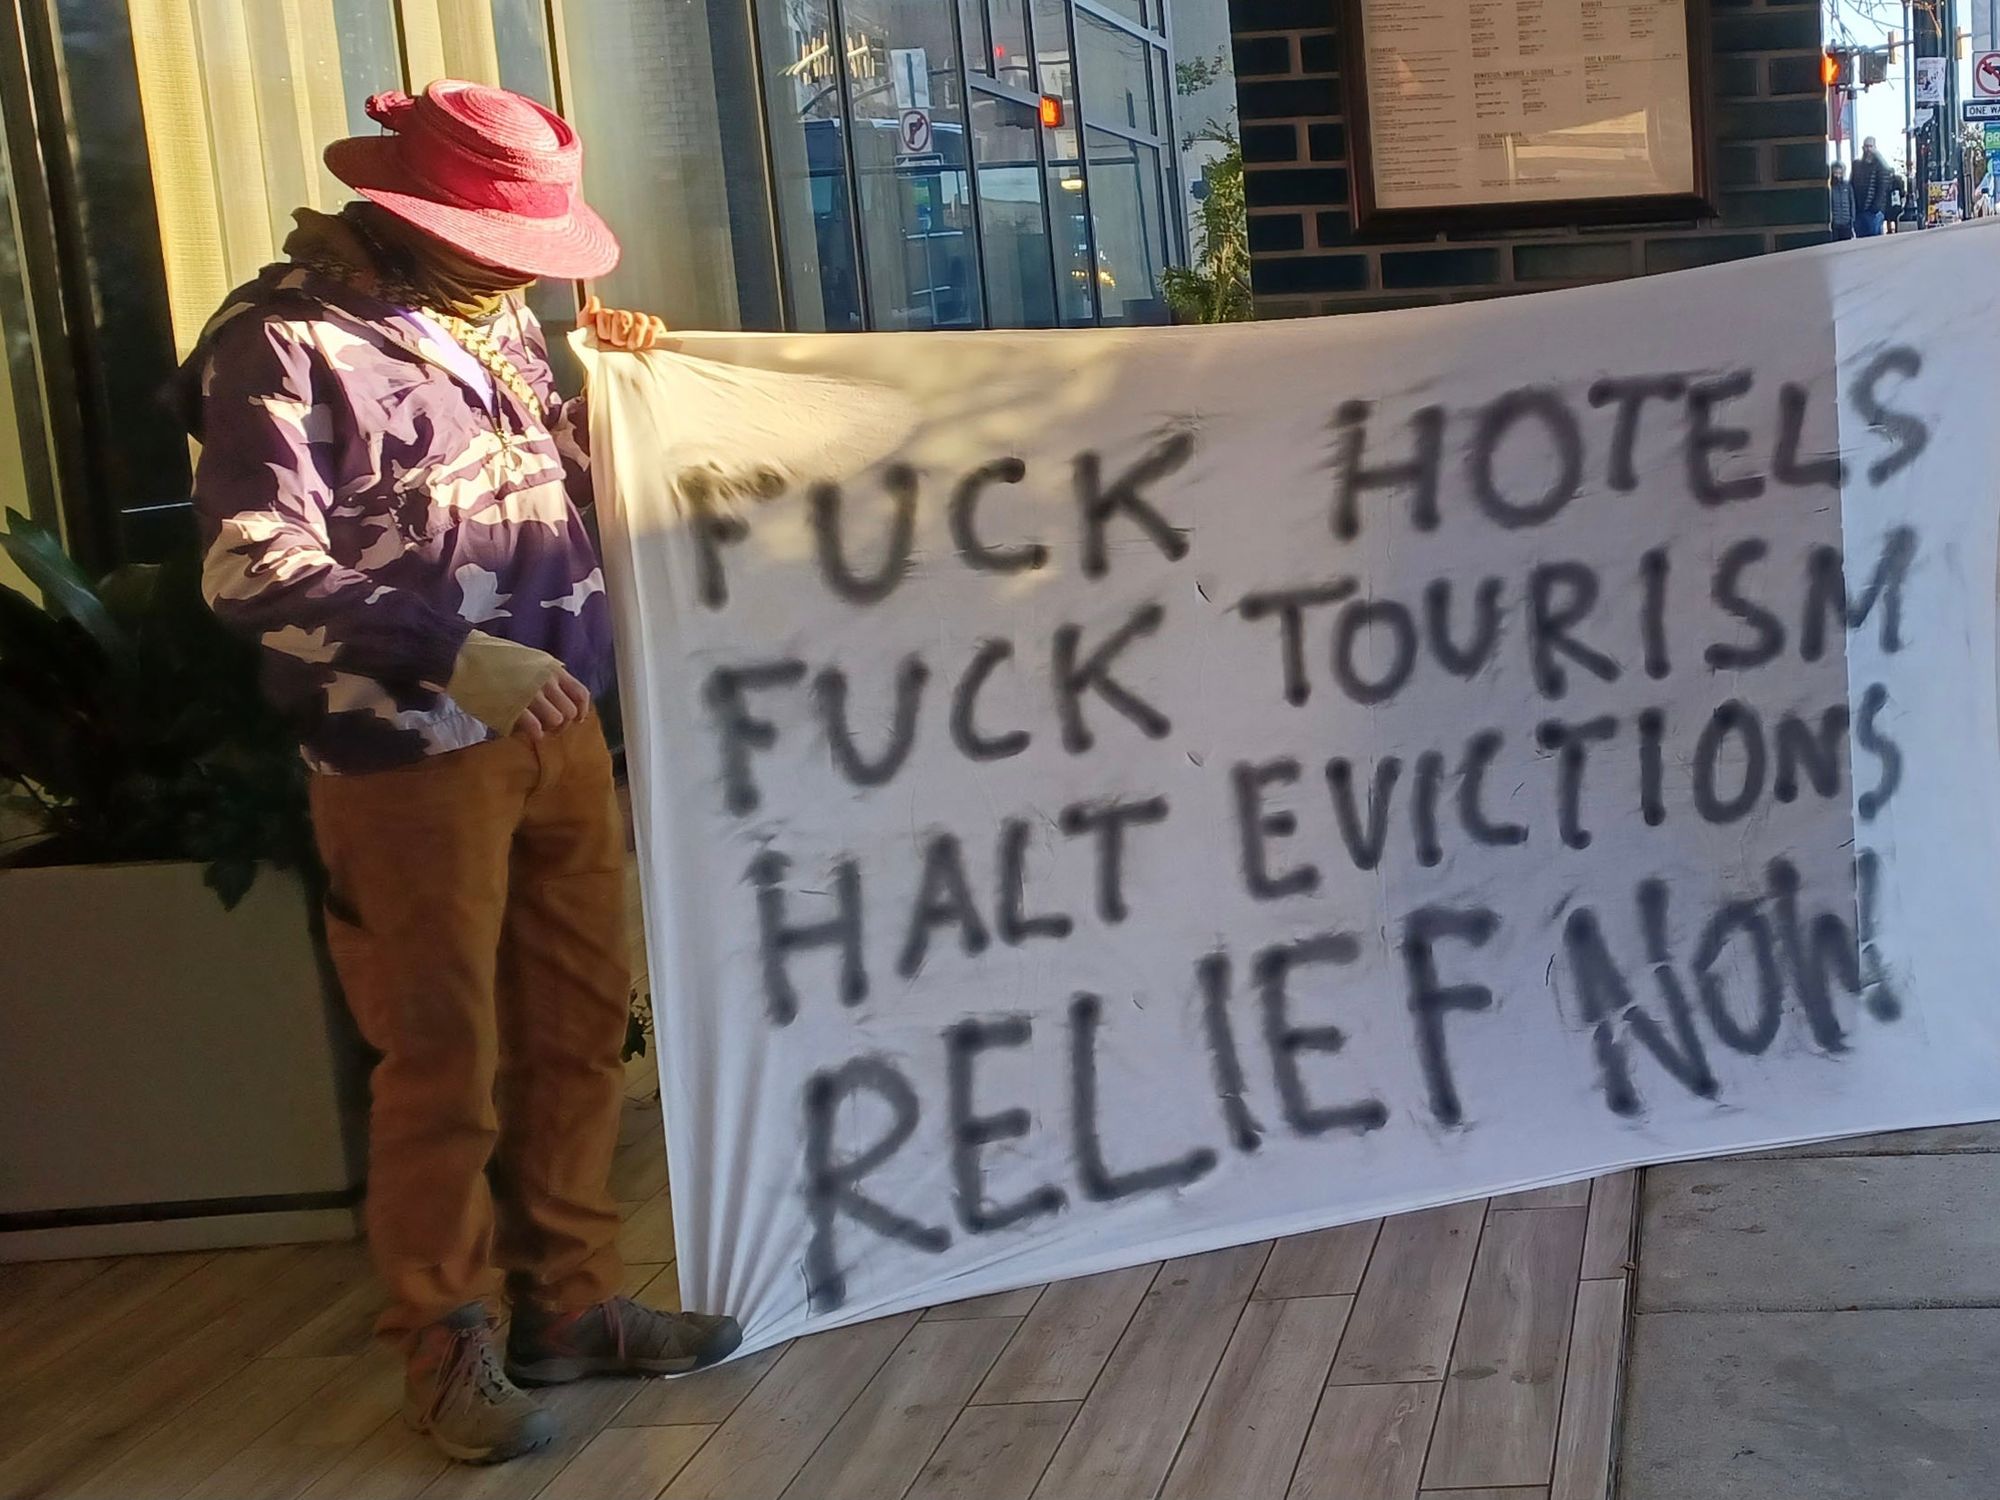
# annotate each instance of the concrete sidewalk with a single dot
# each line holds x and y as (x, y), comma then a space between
(1820, 1324)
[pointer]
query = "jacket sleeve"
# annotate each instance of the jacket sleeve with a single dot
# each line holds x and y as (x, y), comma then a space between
(261, 494)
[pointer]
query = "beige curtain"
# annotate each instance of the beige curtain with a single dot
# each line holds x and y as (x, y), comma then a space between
(449, 39)
(240, 97)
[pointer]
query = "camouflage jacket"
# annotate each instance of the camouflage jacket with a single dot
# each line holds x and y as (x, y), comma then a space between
(362, 508)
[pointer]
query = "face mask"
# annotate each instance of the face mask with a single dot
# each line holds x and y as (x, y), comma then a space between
(439, 275)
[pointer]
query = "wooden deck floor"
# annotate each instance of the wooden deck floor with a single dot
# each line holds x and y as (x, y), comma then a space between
(1467, 1353)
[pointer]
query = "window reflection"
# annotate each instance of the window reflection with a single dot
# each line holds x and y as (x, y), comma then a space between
(654, 166)
(1069, 210)
(809, 158)
(1020, 276)
(1117, 76)
(1011, 61)
(27, 481)
(909, 153)
(1131, 229)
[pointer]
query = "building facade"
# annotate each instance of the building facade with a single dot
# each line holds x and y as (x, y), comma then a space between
(1768, 152)
(819, 165)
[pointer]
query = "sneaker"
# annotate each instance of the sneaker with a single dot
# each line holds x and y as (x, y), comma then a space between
(619, 1337)
(455, 1390)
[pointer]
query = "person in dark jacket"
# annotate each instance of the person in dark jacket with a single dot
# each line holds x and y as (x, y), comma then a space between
(388, 493)
(1842, 219)
(1872, 181)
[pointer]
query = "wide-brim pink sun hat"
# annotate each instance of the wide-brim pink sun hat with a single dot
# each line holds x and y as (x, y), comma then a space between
(491, 173)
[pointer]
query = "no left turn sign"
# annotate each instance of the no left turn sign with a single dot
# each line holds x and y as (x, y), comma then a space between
(1986, 75)
(913, 132)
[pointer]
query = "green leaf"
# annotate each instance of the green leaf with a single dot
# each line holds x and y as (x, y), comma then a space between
(37, 553)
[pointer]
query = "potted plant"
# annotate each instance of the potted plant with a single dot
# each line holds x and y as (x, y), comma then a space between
(175, 1067)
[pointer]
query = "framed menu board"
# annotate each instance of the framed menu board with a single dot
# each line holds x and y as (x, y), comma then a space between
(1498, 114)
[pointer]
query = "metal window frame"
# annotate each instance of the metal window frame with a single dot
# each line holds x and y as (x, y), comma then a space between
(58, 472)
(1167, 143)
(1022, 99)
(965, 78)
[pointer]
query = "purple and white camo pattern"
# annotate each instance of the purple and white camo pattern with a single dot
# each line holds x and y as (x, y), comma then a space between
(362, 508)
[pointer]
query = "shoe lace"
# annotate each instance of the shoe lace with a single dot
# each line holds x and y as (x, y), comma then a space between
(470, 1360)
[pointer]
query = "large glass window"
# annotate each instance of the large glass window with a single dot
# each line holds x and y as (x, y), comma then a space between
(1020, 275)
(642, 90)
(1136, 10)
(910, 163)
(1069, 210)
(1117, 76)
(1012, 63)
(27, 477)
(808, 145)
(1131, 229)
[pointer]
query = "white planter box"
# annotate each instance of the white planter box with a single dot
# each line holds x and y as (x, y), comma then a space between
(172, 1075)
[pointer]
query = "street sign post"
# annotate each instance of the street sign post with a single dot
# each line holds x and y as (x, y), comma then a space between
(913, 133)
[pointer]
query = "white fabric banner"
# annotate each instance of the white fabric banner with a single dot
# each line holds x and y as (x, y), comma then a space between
(1107, 795)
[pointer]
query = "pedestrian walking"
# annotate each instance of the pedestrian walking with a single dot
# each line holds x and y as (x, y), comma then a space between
(1842, 190)
(388, 492)
(1871, 183)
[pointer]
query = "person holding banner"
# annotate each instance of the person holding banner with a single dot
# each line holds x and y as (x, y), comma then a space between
(390, 494)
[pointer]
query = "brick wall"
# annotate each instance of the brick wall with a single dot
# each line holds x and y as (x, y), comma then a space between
(1768, 118)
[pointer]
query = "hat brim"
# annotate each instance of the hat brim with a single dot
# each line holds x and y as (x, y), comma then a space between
(579, 247)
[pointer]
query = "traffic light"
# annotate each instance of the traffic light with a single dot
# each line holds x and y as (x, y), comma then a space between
(1833, 67)
(1874, 68)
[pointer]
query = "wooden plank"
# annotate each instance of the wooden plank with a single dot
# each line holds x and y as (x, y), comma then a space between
(1015, 1304)
(79, 1375)
(662, 1290)
(1252, 1424)
(1607, 1241)
(29, 1285)
(393, 1464)
(346, 1325)
(175, 1455)
(1326, 1263)
(1367, 1443)
(207, 1330)
(648, 1235)
(1531, 1492)
(639, 1274)
(876, 1449)
(622, 1462)
(1063, 1344)
(1124, 1438)
(349, 1408)
(1406, 1310)
(581, 1411)
(768, 1438)
(268, 1471)
(49, 1323)
(995, 1452)
(703, 1399)
(1497, 1424)
(1562, 1195)
(1590, 1394)
(639, 1168)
